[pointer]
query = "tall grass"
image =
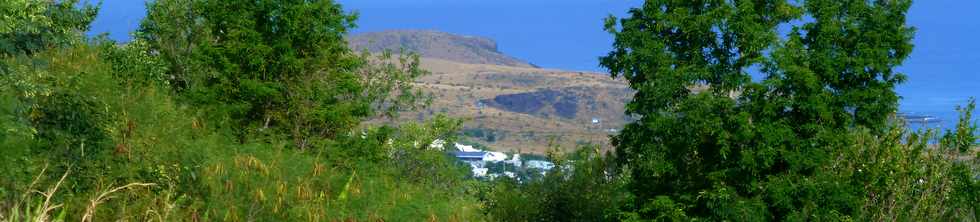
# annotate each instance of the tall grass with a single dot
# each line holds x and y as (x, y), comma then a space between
(176, 163)
(31, 208)
(39, 206)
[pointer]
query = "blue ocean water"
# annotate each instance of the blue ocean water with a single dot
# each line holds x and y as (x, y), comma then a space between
(943, 106)
(942, 71)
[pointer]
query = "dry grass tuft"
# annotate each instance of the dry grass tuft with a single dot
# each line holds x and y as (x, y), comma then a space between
(40, 213)
(94, 203)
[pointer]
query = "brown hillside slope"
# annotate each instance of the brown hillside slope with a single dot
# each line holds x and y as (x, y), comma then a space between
(507, 104)
(524, 109)
(434, 44)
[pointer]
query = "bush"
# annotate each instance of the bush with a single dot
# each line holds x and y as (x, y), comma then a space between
(907, 176)
(133, 131)
(584, 186)
(124, 137)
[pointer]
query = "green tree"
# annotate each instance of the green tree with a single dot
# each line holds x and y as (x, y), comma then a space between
(29, 26)
(276, 67)
(711, 143)
(37, 108)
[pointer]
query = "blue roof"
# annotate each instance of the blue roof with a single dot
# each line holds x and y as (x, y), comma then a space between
(469, 155)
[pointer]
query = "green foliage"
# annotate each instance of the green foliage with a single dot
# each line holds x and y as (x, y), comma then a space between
(253, 111)
(276, 68)
(484, 134)
(23, 15)
(58, 92)
(129, 132)
(132, 130)
(29, 26)
(16, 135)
(260, 183)
(583, 186)
(134, 64)
(711, 144)
(907, 177)
(84, 119)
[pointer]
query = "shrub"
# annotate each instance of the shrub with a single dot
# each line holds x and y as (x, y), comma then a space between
(584, 186)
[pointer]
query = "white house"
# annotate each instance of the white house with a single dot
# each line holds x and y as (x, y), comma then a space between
(516, 160)
(480, 172)
(540, 164)
(494, 157)
(467, 148)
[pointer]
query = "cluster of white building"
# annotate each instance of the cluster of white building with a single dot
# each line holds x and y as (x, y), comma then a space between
(478, 159)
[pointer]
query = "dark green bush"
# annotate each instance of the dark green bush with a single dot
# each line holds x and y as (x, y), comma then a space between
(584, 186)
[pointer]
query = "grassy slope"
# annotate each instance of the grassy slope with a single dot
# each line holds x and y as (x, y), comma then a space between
(191, 168)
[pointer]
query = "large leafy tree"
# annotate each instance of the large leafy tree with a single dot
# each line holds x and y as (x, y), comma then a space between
(29, 26)
(712, 143)
(275, 67)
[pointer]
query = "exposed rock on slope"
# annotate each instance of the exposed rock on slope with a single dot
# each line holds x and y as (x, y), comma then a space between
(525, 109)
(439, 45)
(507, 104)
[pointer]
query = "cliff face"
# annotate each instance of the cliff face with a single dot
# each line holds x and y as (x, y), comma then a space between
(439, 45)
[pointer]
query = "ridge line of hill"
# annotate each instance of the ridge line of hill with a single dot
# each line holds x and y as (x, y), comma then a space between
(437, 44)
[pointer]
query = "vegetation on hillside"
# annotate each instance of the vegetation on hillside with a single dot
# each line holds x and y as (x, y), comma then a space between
(213, 114)
(253, 111)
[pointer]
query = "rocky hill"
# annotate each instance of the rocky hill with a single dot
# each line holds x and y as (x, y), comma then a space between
(439, 45)
(512, 106)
